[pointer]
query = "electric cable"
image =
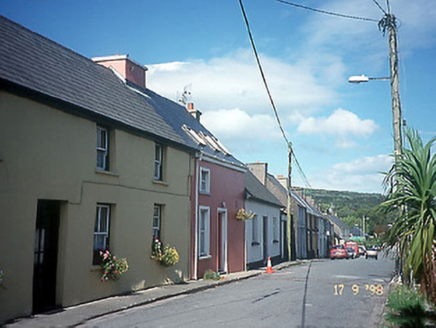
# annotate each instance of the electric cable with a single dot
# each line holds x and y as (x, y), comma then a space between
(380, 7)
(269, 93)
(328, 12)
(262, 73)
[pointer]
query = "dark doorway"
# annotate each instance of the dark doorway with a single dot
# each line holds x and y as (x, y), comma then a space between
(265, 239)
(45, 255)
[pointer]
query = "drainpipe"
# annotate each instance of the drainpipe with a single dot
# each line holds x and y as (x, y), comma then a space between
(197, 157)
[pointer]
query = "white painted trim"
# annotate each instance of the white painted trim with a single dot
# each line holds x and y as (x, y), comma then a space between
(218, 161)
(207, 237)
(197, 167)
(224, 237)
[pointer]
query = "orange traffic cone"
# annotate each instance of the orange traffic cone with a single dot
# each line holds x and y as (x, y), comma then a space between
(269, 268)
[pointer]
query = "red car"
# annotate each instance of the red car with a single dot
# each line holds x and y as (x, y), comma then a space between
(338, 252)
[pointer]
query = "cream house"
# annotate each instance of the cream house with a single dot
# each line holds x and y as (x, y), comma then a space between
(86, 163)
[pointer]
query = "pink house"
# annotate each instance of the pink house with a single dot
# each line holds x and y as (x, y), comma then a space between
(217, 237)
(218, 192)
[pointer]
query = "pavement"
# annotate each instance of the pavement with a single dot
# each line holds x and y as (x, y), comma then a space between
(80, 314)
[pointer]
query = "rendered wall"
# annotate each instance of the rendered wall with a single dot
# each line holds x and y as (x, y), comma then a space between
(256, 253)
(227, 191)
(48, 154)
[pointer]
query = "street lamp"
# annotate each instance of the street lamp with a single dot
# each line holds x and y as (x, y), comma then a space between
(388, 23)
(363, 78)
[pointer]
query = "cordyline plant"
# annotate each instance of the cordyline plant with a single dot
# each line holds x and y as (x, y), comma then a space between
(112, 267)
(411, 186)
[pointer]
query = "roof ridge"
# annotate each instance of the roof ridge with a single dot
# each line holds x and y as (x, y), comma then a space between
(57, 44)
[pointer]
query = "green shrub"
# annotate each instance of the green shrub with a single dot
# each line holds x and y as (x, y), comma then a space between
(407, 308)
(211, 275)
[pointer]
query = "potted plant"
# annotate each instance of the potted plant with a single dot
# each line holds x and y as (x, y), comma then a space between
(166, 256)
(112, 267)
(243, 215)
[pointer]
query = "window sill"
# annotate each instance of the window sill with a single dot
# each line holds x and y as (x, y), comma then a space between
(206, 193)
(160, 182)
(109, 173)
(207, 257)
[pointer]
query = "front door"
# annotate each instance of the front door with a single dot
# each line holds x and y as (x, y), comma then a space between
(265, 239)
(45, 255)
(222, 241)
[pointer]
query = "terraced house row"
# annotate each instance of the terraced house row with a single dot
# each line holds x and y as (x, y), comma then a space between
(91, 160)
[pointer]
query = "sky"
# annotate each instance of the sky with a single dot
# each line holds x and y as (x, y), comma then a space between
(341, 133)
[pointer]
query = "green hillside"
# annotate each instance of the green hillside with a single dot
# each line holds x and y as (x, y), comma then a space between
(351, 206)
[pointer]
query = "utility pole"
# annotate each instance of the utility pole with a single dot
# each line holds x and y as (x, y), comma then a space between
(289, 215)
(389, 22)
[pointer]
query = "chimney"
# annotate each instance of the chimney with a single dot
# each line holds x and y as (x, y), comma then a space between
(283, 180)
(194, 112)
(130, 70)
(260, 171)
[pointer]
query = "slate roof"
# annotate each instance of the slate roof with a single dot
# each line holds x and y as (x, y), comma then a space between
(277, 189)
(39, 68)
(256, 190)
(177, 116)
(334, 219)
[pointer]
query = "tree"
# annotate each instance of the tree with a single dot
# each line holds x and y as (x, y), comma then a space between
(411, 186)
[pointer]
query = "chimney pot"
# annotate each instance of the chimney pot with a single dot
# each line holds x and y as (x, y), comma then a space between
(130, 70)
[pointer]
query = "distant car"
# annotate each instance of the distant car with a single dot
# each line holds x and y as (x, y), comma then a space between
(371, 252)
(377, 247)
(362, 250)
(351, 252)
(338, 252)
(353, 245)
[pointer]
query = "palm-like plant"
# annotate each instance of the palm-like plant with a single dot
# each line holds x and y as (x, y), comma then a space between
(411, 186)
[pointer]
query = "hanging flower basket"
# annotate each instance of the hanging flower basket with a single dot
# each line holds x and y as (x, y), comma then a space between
(243, 215)
(166, 256)
(112, 267)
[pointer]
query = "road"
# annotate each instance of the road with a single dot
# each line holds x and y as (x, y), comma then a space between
(320, 293)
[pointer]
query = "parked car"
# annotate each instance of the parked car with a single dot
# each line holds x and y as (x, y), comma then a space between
(362, 250)
(351, 252)
(355, 248)
(371, 252)
(338, 252)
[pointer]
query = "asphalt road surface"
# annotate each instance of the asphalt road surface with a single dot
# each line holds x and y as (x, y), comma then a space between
(320, 293)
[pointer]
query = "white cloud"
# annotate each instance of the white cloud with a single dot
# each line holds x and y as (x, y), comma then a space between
(340, 123)
(234, 81)
(235, 124)
(363, 174)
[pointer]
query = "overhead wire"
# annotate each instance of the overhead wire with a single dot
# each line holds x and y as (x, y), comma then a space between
(327, 12)
(388, 6)
(262, 73)
(306, 181)
(380, 7)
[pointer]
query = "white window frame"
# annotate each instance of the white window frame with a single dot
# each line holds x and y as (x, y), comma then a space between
(157, 220)
(275, 224)
(255, 229)
(158, 162)
(97, 226)
(204, 232)
(102, 148)
(204, 180)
